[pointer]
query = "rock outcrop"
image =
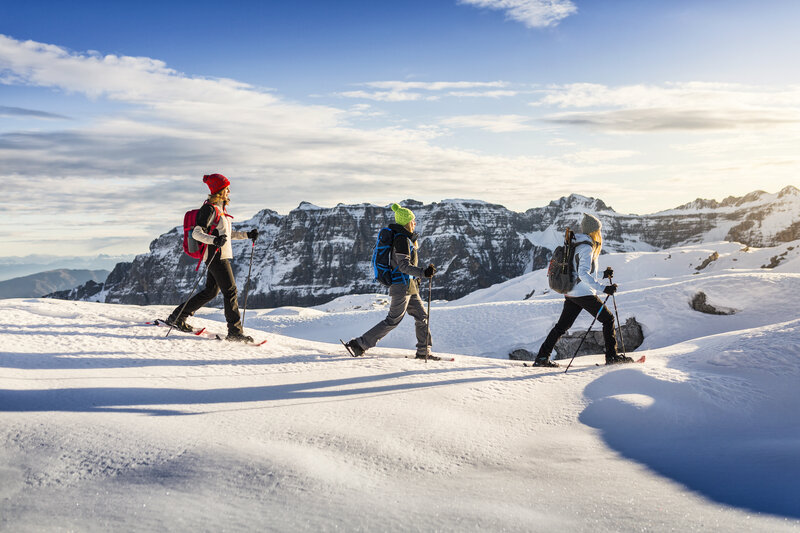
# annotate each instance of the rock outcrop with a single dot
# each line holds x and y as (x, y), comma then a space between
(632, 338)
(699, 302)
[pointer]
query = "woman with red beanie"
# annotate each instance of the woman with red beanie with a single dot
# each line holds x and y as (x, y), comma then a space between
(214, 229)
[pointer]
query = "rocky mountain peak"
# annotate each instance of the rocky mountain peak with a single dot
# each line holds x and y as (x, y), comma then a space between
(411, 204)
(746, 199)
(307, 206)
(578, 202)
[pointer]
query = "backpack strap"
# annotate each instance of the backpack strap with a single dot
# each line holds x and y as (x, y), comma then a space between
(577, 258)
(217, 216)
(217, 213)
(397, 276)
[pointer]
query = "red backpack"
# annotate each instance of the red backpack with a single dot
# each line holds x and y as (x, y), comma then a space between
(192, 247)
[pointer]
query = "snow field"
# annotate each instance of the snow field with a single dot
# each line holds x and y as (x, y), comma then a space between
(106, 424)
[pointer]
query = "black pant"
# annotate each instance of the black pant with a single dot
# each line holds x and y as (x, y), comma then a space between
(220, 276)
(572, 308)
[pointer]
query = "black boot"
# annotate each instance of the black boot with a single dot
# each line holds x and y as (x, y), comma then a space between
(238, 337)
(356, 348)
(428, 356)
(617, 359)
(544, 361)
(179, 323)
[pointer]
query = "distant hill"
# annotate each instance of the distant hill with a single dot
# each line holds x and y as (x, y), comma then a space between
(37, 285)
(19, 266)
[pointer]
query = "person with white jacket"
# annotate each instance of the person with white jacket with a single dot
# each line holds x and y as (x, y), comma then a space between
(588, 244)
(214, 229)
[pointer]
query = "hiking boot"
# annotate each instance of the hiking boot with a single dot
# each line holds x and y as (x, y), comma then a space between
(356, 348)
(429, 357)
(238, 337)
(545, 361)
(618, 360)
(179, 324)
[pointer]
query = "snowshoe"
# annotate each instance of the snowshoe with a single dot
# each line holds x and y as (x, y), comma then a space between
(355, 349)
(618, 360)
(239, 337)
(179, 324)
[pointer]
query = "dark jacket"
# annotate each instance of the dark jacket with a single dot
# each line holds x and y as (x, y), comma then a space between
(404, 256)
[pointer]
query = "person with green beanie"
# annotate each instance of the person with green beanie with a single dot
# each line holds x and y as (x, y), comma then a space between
(404, 291)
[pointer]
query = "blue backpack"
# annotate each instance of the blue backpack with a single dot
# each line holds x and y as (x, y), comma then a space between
(381, 260)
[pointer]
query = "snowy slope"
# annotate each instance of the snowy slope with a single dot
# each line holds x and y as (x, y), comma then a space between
(655, 287)
(107, 425)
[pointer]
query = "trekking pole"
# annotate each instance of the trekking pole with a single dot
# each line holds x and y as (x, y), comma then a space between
(205, 271)
(619, 324)
(587, 333)
(247, 283)
(428, 329)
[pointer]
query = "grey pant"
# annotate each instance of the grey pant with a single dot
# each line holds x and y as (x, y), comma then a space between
(401, 303)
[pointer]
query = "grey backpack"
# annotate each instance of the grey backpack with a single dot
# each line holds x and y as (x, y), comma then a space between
(561, 274)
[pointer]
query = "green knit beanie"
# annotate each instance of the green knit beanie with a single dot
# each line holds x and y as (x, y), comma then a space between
(402, 215)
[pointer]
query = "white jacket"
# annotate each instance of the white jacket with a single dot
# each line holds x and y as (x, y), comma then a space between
(585, 268)
(223, 227)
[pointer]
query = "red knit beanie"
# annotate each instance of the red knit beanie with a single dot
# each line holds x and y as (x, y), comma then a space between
(216, 182)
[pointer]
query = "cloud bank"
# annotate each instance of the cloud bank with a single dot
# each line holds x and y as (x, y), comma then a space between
(165, 129)
(156, 131)
(674, 107)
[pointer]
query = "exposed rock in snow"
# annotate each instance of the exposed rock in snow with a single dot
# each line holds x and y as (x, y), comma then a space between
(710, 259)
(632, 338)
(521, 354)
(700, 303)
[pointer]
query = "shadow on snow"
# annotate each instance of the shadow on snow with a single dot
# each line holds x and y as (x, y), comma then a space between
(147, 400)
(739, 457)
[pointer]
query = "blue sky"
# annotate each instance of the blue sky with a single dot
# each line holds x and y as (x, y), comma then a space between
(111, 112)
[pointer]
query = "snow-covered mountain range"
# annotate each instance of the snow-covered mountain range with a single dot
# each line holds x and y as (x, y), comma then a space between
(314, 254)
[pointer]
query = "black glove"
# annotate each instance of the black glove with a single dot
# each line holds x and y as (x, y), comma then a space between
(611, 289)
(220, 240)
(608, 273)
(430, 271)
(252, 234)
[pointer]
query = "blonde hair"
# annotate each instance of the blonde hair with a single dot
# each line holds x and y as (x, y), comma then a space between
(597, 244)
(217, 198)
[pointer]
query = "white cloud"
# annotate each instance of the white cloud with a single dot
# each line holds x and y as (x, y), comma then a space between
(693, 106)
(483, 94)
(434, 85)
(594, 156)
(6, 111)
(532, 13)
(409, 91)
(492, 123)
(383, 96)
